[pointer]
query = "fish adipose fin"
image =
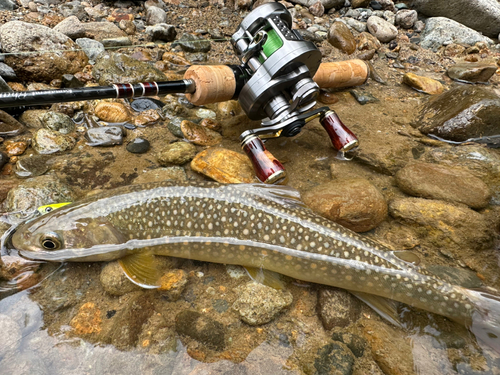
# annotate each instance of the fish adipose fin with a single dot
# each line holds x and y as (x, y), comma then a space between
(268, 278)
(141, 268)
(385, 307)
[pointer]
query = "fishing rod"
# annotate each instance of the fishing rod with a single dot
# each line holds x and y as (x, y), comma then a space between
(277, 82)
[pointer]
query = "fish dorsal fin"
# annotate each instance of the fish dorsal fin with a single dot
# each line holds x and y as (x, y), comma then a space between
(385, 307)
(284, 195)
(266, 277)
(407, 256)
(141, 268)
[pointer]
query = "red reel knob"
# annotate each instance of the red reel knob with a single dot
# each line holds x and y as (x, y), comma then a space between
(267, 168)
(342, 138)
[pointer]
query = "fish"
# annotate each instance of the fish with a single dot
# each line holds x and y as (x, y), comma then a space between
(252, 225)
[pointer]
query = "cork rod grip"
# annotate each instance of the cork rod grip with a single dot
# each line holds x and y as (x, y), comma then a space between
(214, 83)
(342, 74)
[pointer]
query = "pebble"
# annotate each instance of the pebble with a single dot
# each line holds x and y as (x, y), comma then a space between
(58, 122)
(31, 118)
(173, 283)
(35, 192)
(46, 141)
(177, 153)
(162, 174)
(229, 108)
(259, 304)
(357, 25)
(201, 328)
(127, 26)
(15, 148)
(6, 72)
(143, 104)
(406, 18)
(103, 30)
(174, 125)
(147, 117)
(9, 126)
(367, 41)
(199, 135)
(334, 358)
(443, 182)
(70, 81)
(341, 37)
(138, 146)
(162, 31)
(116, 42)
(206, 113)
(115, 282)
(192, 43)
(225, 166)
(423, 84)
(363, 97)
(337, 308)
(211, 124)
(155, 15)
(354, 342)
(112, 112)
(12, 338)
(359, 4)
(105, 136)
(472, 72)
(317, 9)
(32, 166)
(71, 27)
(381, 29)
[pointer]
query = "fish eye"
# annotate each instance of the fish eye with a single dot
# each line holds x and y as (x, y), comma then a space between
(50, 241)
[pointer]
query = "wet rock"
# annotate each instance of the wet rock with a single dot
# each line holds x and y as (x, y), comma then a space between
(15, 148)
(471, 72)
(12, 335)
(177, 153)
(157, 336)
(424, 84)
(363, 97)
(162, 31)
(155, 15)
(32, 166)
(199, 135)
(205, 113)
(229, 108)
(225, 166)
(389, 348)
(341, 37)
(70, 81)
(456, 276)
(481, 15)
(406, 18)
(71, 27)
(381, 29)
(355, 343)
(17, 36)
(461, 113)
(337, 308)
(105, 136)
(192, 43)
(162, 174)
(173, 283)
(455, 227)
(354, 203)
(327, 97)
(114, 281)
(57, 121)
(35, 192)
(31, 118)
(4, 159)
(9, 126)
(143, 104)
(441, 31)
(147, 117)
(201, 328)
(112, 112)
(4, 87)
(387, 5)
(116, 67)
(442, 182)
(259, 304)
(174, 125)
(46, 141)
(367, 41)
(138, 146)
(334, 358)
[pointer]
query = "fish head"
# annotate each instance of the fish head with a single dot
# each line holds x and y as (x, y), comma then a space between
(64, 235)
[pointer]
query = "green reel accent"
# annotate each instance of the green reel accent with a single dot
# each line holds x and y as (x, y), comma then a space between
(272, 44)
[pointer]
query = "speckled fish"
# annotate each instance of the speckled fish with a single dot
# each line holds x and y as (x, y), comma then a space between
(252, 225)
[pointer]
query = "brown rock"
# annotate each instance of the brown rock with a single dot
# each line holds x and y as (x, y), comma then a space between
(443, 182)
(115, 282)
(423, 84)
(317, 9)
(367, 41)
(354, 203)
(341, 37)
(337, 308)
(162, 174)
(211, 124)
(172, 284)
(16, 148)
(224, 166)
(176, 153)
(112, 112)
(199, 135)
(5, 187)
(88, 320)
(147, 117)
(127, 26)
(9, 126)
(360, 3)
(471, 72)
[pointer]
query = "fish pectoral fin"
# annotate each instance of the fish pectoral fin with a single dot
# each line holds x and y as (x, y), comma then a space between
(141, 268)
(266, 277)
(385, 307)
(408, 257)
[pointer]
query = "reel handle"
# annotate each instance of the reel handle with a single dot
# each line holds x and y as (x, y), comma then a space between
(342, 138)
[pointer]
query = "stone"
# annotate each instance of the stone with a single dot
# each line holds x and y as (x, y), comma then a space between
(147, 117)
(423, 84)
(115, 282)
(58, 122)
(71, 27)
(334, 358)
(116, 42)
(481, 15)
(367, 41)
(4, 159)
(162, 31)
(443, 182)
(102, 30)
(105, 136)
(317, 9)
(91, 47)
(162, 174)
(31, 118)
(440, 31)
(15, 148)
(172, 284)
(355, 343)
(143, 104)
(225, 166)
(356, 25)
(177, 153)
(13, 335)
(461, 113)
(192, 43)
(127, 26)
(328, 4)
(363, 97)
(472, 72)
(9, 126)
(201, 328)
(337, 308)
(6, 72)
(199, 135)
(341, 37)
(259, 304)
(72, 8)
(17, 36)
(381, 29)
(8, 5)
(406, 18)
(155, 15)
(35, 192)
(360, 3)
(46, 141)
(138, 146)
(32, 166)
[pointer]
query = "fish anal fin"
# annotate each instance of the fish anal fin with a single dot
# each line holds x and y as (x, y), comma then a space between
(385, 307)
(407, 256)
(266, 277)
(141, 268)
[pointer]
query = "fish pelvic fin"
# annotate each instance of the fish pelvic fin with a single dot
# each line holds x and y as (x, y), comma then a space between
(385, 307)
(266, 277)
(142, 269)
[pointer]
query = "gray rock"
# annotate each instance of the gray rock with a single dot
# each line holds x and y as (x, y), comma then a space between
(155, 15)
(138, 146)
(11, 335)
(9, 126)
(177, 153)
(102, 30)
(381, 29)
(8, 5)
(480, 15)
(46, 141)
(406, 18)
(7, 72)
(105, 136)
(472, 72)
(334, 358)
(390, 17)
(116, 42)
(72, 8)
(337, 308)
(328, 4)
(259, 304)
(4, 87)
(441, 31)
(162, 31)
(356, 25)
(355, 343)
(114, 281)
(363, 97)
(71, 27)
(192, 43)
(91, 47)
(36, 192)
(201, 328)
(58, 122)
